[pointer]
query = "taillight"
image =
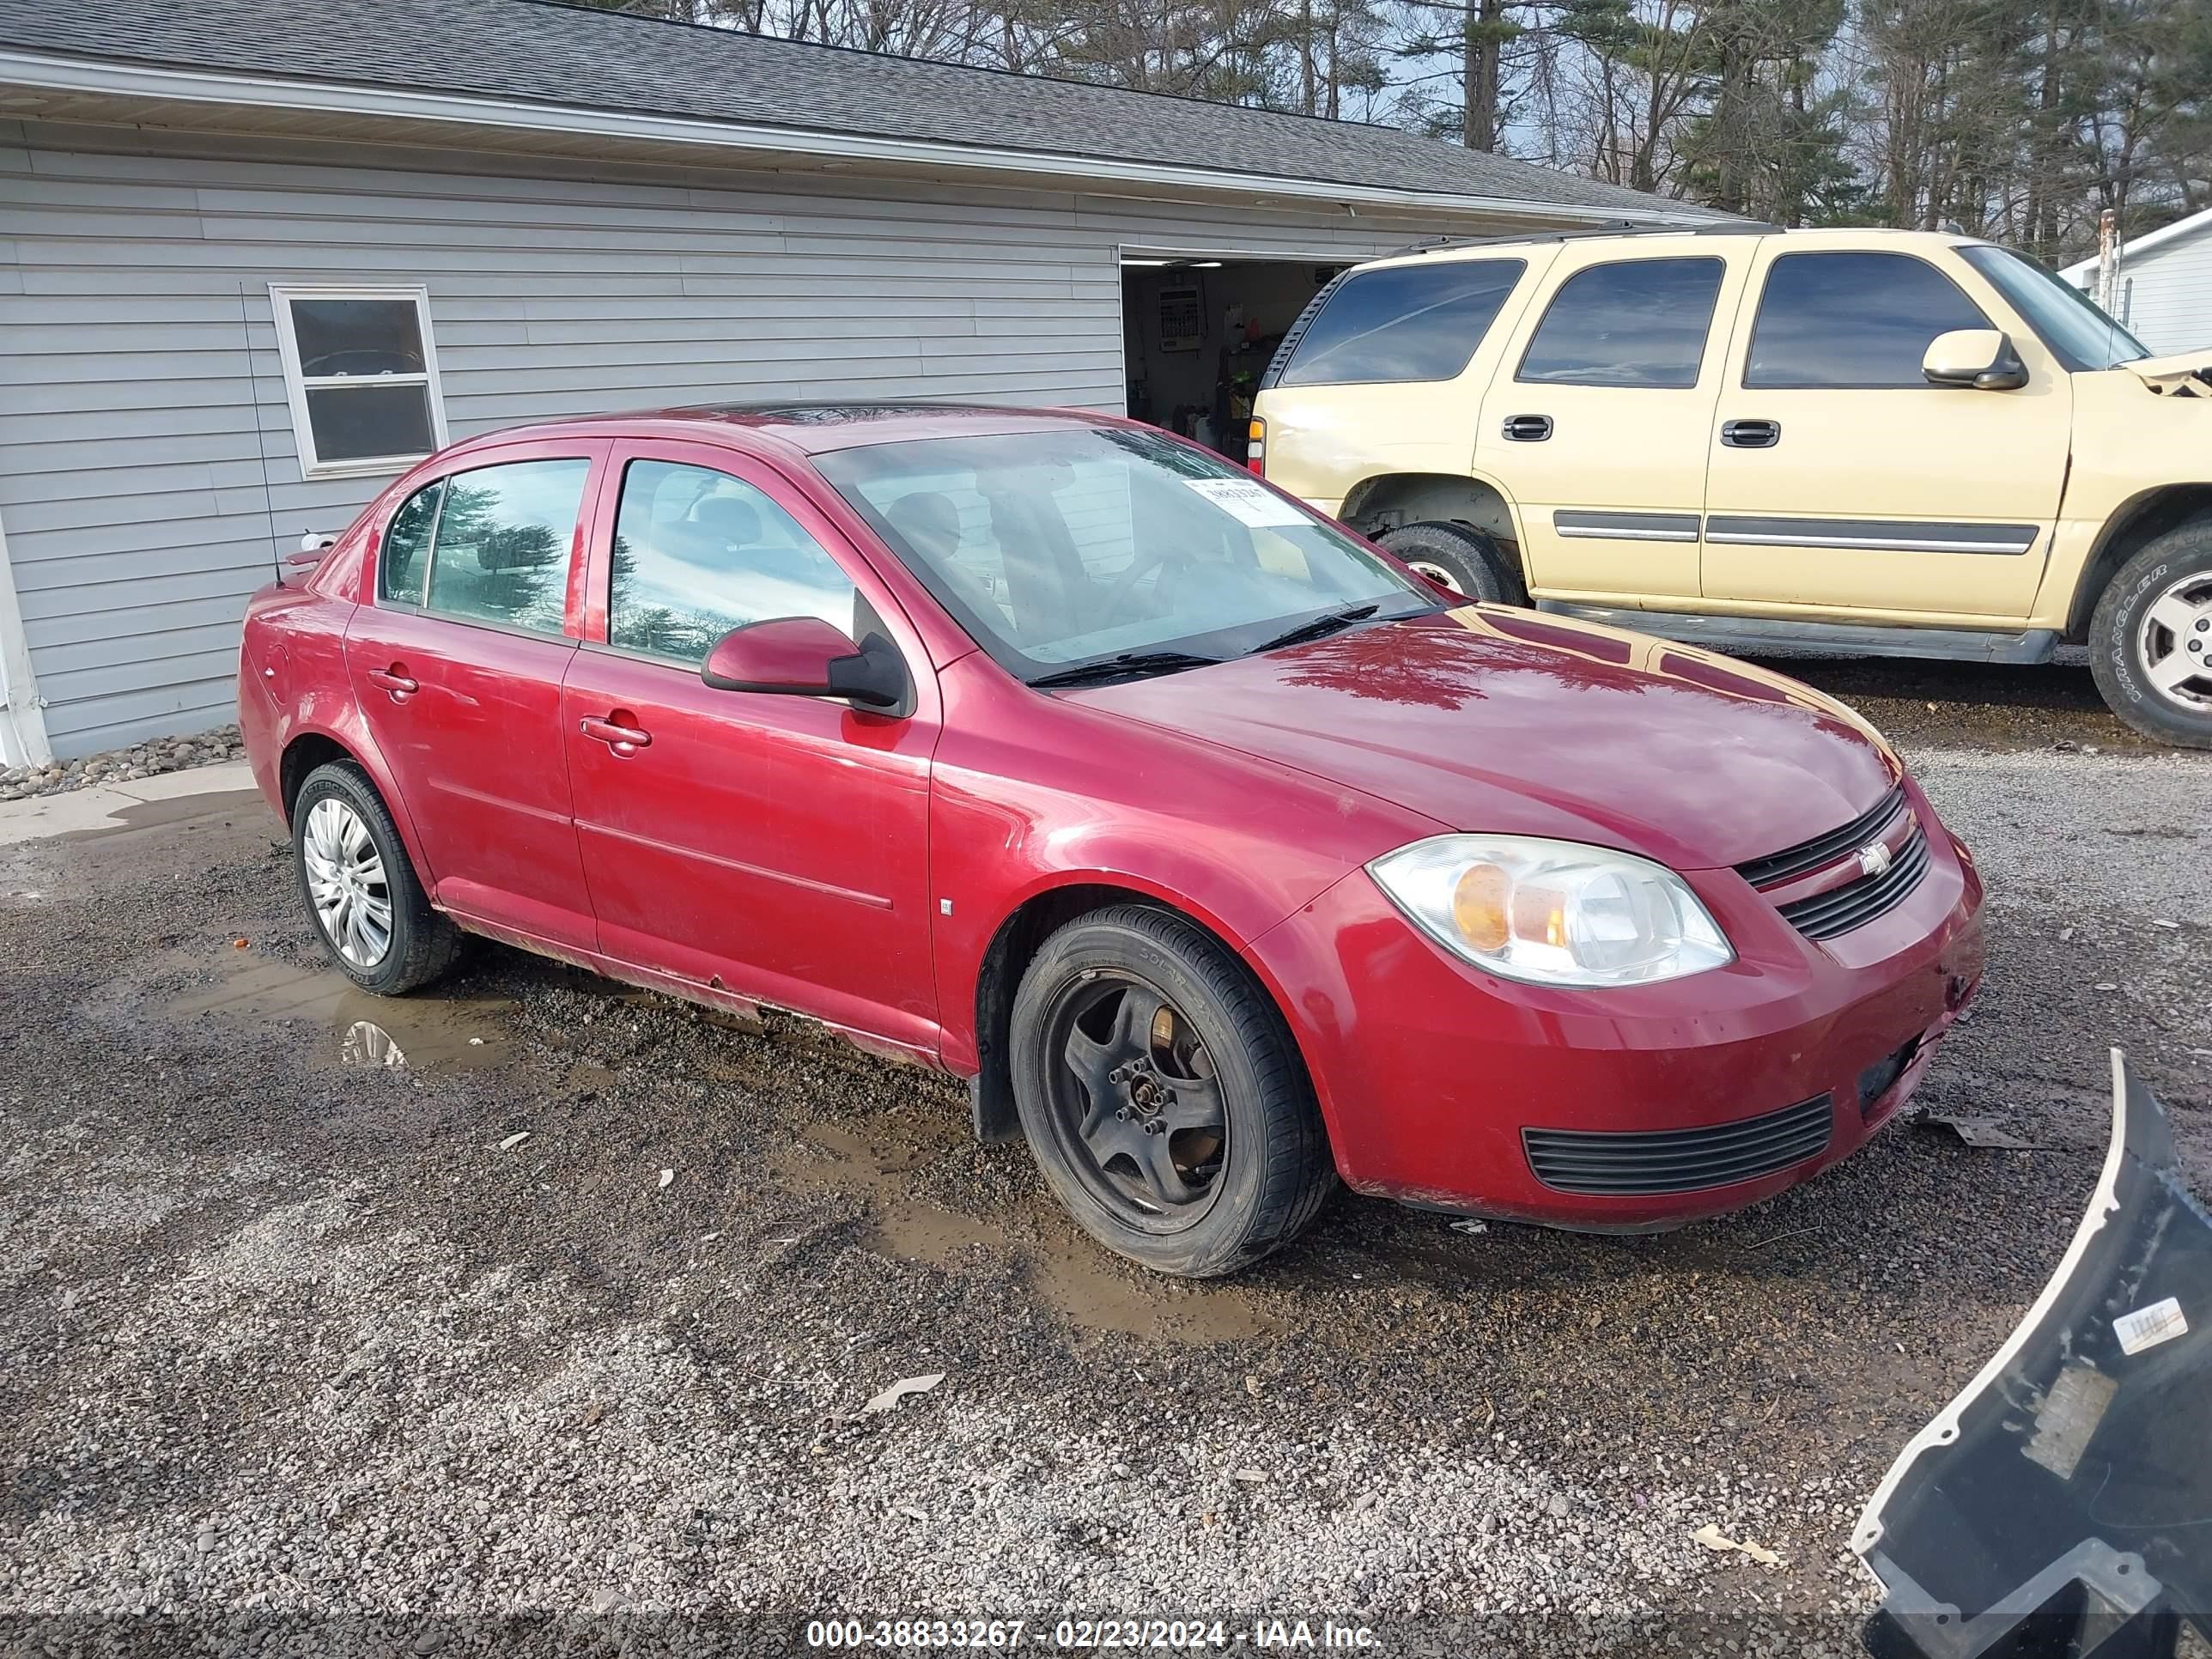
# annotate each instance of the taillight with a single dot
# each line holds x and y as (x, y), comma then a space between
(1255, 446)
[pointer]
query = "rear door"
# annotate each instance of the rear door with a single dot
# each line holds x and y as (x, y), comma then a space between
(1597, 421)
(1842, 480)
(457, 667)
(777, 846)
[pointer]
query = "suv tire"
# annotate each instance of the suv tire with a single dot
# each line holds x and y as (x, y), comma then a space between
(1466, 561)
(2159, 604)
(351, 863)
(1199, 1149)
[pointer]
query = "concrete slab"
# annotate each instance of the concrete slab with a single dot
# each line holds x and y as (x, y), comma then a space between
(102, 805)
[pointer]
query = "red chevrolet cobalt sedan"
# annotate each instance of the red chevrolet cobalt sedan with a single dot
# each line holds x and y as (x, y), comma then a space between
(1223, 855)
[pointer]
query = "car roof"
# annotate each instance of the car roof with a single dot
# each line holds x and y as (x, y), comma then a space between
(804, 429)
(1641, 237)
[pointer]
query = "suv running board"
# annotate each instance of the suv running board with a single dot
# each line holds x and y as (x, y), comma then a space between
(1756, 634)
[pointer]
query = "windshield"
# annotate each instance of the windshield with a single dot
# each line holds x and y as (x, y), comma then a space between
(1085, 544)
(2068, 321)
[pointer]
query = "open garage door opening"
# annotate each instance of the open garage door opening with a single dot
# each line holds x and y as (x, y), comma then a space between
(1198, 332)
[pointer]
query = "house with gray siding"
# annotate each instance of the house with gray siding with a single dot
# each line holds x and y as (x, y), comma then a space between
(2162, 285)
(258, 256)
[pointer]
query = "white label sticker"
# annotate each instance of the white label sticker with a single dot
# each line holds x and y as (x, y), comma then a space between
(2146, 1327)
(1248, 502)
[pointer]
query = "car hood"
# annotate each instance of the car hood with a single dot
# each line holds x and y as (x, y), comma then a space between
(2184, 373)
(1490, 719)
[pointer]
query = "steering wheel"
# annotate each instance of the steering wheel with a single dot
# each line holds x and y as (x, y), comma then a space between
(1121, 593)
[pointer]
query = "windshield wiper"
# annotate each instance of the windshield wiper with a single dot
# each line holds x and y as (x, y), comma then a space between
(1130, 665)
(1327, 622)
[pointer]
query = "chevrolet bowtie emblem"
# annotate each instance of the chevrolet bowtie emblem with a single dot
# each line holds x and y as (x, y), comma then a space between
(1874, 861)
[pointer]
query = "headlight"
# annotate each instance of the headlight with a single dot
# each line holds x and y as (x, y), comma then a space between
(1552, 912)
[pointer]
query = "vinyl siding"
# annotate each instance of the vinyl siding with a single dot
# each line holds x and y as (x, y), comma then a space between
(148, 473)
(2166, 295)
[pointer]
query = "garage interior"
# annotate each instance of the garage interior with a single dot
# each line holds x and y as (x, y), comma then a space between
(1198, 334)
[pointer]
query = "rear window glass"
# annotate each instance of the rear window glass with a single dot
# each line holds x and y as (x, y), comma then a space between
(500, 553)
(1403, 322)
(1637, 323)
(1848, 319)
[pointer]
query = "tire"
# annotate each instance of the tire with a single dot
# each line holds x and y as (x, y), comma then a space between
(417, 943)
(1224, 1046)
(2156, 612)
(1466, 561)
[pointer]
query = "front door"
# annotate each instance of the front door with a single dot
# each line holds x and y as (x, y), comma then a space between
(776, 845)
(1597, 420)
(1840, 478)
(457, 667)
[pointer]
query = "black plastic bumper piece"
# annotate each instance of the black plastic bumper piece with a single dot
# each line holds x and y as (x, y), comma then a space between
(2061, 1506)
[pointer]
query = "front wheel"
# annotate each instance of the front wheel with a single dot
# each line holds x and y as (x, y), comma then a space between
(1162, 1094)
(369, 909)
(1463, 560)
(2150, 639)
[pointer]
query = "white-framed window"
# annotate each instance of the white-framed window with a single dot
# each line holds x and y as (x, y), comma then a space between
(360, 371)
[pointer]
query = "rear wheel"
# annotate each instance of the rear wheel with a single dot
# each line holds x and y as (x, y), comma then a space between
(2150, 639)
(1162, 1094)
(1465, 561)
(369, 909)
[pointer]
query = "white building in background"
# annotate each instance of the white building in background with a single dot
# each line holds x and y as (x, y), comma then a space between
(2163, 295)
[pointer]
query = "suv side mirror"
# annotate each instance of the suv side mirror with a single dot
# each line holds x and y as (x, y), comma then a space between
(1982, 358)
(806, 657)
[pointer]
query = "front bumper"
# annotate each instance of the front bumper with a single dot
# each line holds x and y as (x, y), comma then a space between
(1429, 1071)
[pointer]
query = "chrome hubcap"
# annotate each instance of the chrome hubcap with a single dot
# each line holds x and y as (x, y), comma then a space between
(346, 883)
(2174, 645)
(1436, 573)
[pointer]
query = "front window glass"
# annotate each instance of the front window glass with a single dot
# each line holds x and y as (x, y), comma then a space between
(500, 553)
(698, 553)
(1636, 323)
(1849, 319)
(2074, 326)
(1403, 322)
(1082, 544)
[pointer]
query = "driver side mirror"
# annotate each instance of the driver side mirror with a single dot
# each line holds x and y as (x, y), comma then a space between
(1982, 358)
(806, 657)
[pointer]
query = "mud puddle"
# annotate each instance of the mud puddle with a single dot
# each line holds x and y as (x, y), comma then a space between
(1076, 1277)
(420, 1033)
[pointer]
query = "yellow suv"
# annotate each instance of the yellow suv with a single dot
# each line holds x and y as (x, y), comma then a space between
(1881, 443)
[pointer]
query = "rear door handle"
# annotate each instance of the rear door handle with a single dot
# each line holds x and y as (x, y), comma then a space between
(1751, 435)
(1528, 429)
(390, 680)
(623, 739)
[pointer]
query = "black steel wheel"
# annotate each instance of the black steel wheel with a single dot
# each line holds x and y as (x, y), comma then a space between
(1162, 1096)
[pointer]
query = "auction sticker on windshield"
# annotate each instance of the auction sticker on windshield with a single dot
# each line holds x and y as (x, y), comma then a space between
(1248, 503)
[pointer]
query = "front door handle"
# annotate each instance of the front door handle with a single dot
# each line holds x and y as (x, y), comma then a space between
(1528, 429)
(1751, 435)
(623, 739)
(390, 680)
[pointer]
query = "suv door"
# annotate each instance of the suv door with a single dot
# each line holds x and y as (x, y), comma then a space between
(777, 846)
(457, 663)
(1597, 422)
(1842, 480)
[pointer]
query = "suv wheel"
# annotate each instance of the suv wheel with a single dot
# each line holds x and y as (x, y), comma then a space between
(1465, 561)
(369, 909)
(1161, 1095)
(2150, 640)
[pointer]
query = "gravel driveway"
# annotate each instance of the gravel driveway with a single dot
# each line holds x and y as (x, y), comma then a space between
(560, 1333)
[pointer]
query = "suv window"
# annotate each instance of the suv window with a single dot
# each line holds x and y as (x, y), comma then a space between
(1403, 322)
(1849, 319)
(1634, 323)
(401, 566)
(698, 552)
(500, 550)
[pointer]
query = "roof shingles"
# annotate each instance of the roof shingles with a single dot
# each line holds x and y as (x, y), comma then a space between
(529, 51)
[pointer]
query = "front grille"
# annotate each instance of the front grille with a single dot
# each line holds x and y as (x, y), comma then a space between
(1794, 861)
(1858, 903)
(1636, 1163)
